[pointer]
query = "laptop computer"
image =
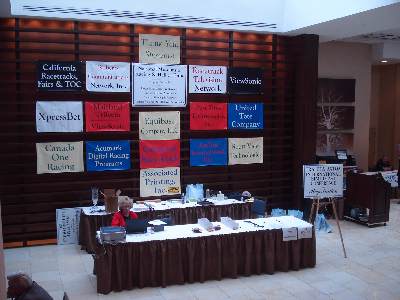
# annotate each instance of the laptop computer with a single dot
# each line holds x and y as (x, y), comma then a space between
(136, 226)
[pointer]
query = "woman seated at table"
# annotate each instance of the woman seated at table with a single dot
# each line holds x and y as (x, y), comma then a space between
(124, 213)
(383, 164)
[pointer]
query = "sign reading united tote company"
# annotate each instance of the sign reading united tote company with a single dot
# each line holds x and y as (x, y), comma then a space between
(58, 76)
(59, 116)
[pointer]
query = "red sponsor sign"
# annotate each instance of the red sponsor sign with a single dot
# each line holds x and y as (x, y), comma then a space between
(107, 116)
(159, 154)
(208, 116)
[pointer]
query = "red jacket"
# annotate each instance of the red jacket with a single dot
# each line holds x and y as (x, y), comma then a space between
(118, 219)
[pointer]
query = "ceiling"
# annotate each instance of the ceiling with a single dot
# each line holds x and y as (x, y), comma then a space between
(375, 22)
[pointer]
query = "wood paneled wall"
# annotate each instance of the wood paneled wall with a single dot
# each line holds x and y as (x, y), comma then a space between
(29, 200)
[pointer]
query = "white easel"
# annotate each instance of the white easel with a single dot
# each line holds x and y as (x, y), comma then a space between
(330, 201)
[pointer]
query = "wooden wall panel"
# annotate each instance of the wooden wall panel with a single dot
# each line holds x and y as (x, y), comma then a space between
(29, 200)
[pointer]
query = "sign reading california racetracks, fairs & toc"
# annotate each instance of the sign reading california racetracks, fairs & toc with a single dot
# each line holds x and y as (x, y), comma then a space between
(159, 125)
(159, 49)
(245, 115)
(107, 116)
(108, 155)
(244, 151)
(323, 181)
(58, 76)
(207, 79)
(245, 80)
(208, 116)
(160, 181)
(59, 116)
(108, 76)
(59, 157)
(159, 154)
(208, 152)
(159, 85)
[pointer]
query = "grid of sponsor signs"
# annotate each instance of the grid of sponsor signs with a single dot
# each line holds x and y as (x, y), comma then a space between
(158, 80)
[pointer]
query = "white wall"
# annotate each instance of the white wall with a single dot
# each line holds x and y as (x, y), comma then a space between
(352, 60)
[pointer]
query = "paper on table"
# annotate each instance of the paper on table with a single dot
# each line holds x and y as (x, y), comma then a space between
(157, 222)
(289, 234)
(304, 232)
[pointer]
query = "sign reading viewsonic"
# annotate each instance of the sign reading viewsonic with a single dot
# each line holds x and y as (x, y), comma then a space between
(246, 115)
(245, 80)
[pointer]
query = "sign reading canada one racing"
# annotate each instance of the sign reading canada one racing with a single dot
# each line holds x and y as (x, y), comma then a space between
(58, 76)
(245, 80)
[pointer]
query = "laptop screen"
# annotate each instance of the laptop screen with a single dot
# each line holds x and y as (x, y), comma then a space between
(137, 226)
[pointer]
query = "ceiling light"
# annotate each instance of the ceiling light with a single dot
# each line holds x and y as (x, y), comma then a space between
(384, 61)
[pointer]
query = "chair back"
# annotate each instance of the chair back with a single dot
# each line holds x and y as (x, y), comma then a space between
(65, 297)
(259, 207)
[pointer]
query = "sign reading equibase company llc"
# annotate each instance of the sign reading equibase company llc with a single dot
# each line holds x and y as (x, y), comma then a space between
(108, 155)
(207, 79)
(159, 49)
(108, 76)
(323, 181)
(59, 116)
(58, 76)
(159, 125)
(159, 85)
(59, 157)
(160, 181)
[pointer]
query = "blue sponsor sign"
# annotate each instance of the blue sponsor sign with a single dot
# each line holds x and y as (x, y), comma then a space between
(208, 152)
(108, 155)
(245, 115)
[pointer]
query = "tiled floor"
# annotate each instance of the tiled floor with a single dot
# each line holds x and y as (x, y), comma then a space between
(371, 271)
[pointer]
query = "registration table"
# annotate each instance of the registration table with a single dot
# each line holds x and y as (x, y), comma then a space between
(92, 219)
(178, 255)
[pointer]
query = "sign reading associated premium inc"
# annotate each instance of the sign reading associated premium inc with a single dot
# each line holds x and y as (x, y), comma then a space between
(58, 76)
(245, 80)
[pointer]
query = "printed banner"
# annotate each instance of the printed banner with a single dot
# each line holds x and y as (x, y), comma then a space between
(67, 220)
(289, 234)
(159, 49)
(246, 115)
(160, 125)
(245, 80)
(391, 177)
(107, 116)
(159, 85)
(207, 80)
(323, 181)
(59, 157)
(208, 152)
(243, 151)
(159, 154)
(160, 181)
(304, 232)
(59, 116)
(108, 155)
(108, 76)
(58, 76)
(208, 116)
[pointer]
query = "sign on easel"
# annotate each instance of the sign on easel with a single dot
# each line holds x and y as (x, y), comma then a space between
(68, 225)
(323, 181)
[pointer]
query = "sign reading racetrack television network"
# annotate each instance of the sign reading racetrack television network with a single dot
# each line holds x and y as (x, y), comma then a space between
(208, 152)
(243, 151)
(109, 77)
(159, 125)
(159, 49)
(323, 181)
(58, 76)
(108, 155)
(159, 85)
(107, 116)
(59, 116)
(245, 80)
(159, 154)
(207, 79)
(208, 116)
(160, 181)
(59, 157)
(245, 115)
